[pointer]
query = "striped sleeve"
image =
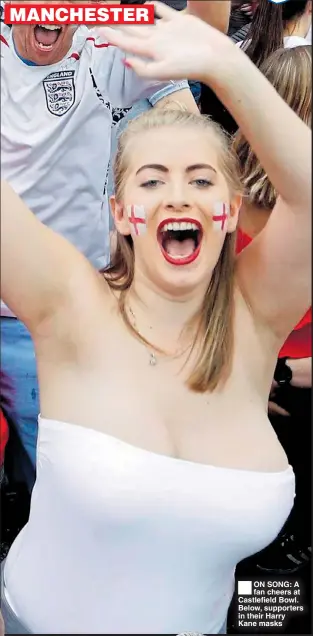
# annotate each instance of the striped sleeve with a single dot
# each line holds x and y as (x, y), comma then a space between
(241, 35)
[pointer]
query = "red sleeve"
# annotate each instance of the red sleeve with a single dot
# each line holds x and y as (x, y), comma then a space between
(4, 436)
(242, 240)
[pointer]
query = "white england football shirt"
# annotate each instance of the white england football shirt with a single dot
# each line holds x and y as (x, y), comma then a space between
(56, 134)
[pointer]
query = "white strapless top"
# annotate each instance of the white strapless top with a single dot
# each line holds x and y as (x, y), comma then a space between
(122, 540)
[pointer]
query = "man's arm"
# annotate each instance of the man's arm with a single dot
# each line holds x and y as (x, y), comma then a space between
(215, 13)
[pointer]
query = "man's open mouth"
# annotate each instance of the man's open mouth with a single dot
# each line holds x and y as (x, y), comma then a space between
(47, 36)
(180, 240)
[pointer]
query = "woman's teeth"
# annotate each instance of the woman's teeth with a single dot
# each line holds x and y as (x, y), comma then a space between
(176, 227)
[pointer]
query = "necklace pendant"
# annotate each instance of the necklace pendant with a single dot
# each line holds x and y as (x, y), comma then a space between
(152, 360)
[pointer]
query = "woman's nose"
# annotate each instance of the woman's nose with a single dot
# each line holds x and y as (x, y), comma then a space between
(177, 199)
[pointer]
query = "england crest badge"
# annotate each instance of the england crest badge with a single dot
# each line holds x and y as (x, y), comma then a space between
(60, 92)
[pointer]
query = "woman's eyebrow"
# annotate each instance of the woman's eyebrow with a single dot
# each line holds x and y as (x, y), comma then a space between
(153, 166)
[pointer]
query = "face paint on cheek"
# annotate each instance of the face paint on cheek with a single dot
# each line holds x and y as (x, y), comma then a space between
(220, 216)
(137, 218)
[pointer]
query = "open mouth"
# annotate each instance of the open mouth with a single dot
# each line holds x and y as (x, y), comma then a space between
(180, 241)
(46, 36)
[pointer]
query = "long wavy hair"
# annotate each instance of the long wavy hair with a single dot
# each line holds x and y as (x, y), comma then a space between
(214, 323)
(290, 72)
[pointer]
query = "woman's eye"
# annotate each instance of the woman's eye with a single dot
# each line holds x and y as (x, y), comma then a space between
(152, 183)
(202, 183)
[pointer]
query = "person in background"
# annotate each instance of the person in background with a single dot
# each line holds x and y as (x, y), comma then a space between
(59, 89)
(240, 16)
(275, 26)
(290, 72)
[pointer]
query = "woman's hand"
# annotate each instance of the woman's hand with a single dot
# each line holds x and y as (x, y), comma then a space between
(177, 46)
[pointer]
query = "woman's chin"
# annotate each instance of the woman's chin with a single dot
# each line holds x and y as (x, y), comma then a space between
(182, 280)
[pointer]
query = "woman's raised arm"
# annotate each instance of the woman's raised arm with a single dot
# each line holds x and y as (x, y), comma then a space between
(275, 270)
(40, 270)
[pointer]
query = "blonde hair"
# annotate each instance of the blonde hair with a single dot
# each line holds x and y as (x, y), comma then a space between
(289, 71)
(215, 320)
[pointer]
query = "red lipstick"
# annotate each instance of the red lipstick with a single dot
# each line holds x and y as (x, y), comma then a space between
(178, 226)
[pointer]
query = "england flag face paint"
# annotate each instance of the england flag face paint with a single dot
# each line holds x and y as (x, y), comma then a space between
(137, 218)
(220, 216)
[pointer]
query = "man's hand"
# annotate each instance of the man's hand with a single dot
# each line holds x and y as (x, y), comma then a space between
(301, 378)
(275, 409)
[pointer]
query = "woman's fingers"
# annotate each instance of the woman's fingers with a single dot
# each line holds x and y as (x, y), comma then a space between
(145, 68)
(125, 42)
(143, 31)
(110, 32)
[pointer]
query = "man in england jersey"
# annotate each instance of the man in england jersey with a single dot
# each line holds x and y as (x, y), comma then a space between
(58, 90)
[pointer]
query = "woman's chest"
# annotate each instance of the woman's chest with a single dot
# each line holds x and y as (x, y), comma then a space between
(150, 406)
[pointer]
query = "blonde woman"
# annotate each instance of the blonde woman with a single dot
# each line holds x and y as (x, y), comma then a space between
(290, 72)
(158, 469)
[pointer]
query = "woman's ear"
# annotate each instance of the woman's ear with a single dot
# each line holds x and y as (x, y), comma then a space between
(120, 217)
(234, 210)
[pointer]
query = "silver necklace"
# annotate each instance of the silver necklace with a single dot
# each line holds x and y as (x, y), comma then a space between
(152, 357)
